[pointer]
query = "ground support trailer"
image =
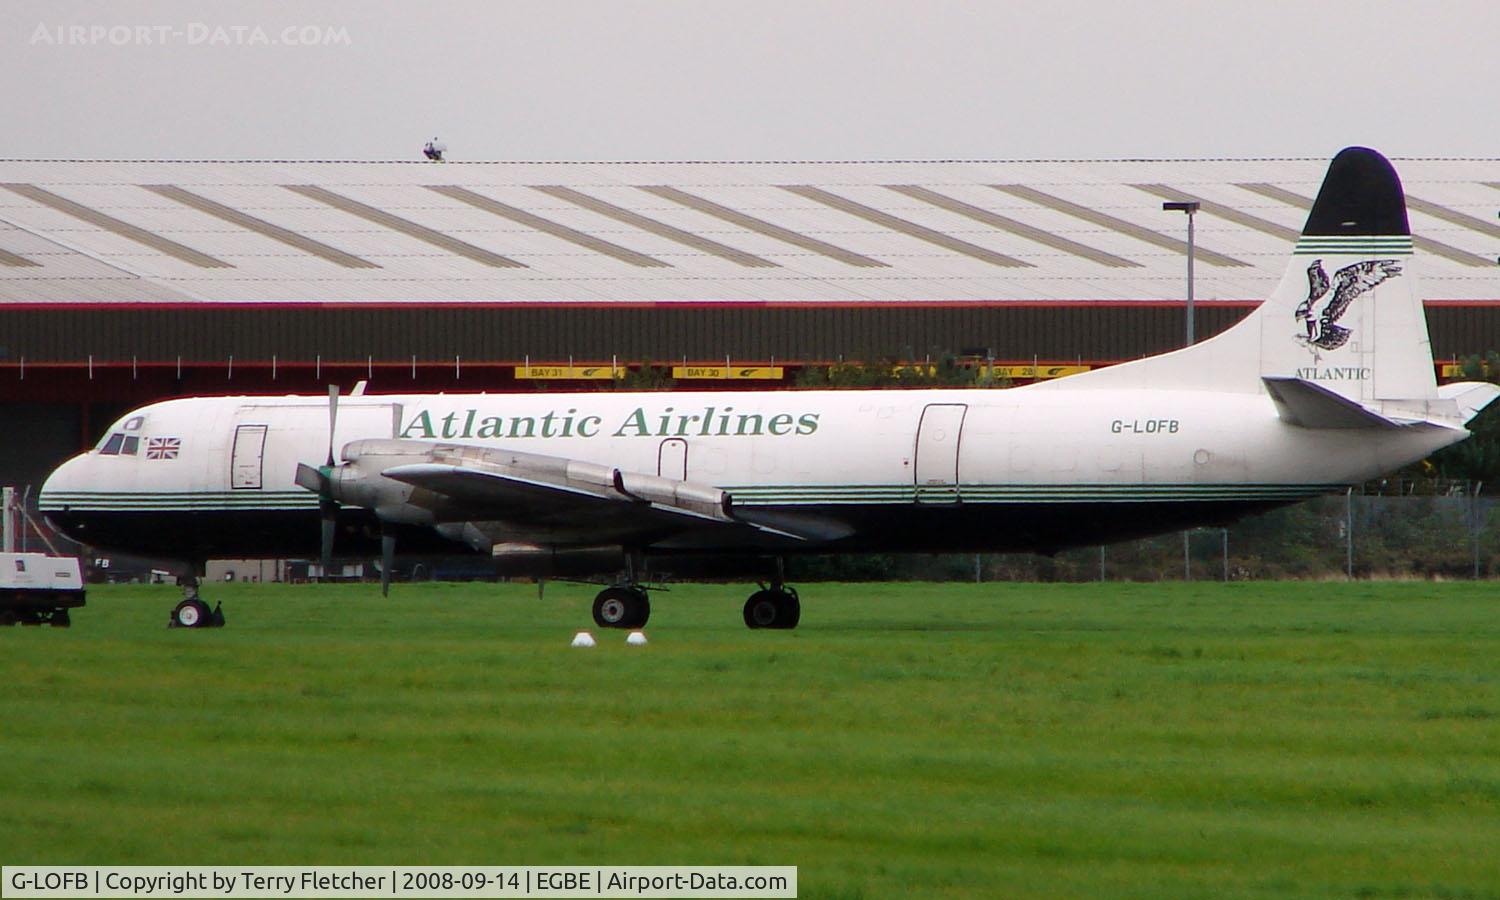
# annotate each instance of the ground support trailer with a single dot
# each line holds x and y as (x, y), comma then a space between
(37, 589)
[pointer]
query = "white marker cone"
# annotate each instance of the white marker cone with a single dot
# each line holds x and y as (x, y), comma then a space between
(583, 639)
(636, 639)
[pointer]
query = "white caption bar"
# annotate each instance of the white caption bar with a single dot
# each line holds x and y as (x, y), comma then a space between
(398, 881)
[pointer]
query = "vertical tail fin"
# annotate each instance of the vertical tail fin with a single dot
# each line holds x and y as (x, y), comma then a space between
(1346, 316)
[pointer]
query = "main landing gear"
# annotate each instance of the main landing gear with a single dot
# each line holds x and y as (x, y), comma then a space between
(626, 605)
(192, 612)
(622, 606)
(776, 606)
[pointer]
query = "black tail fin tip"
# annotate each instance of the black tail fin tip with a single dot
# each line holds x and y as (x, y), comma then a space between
(1361, 195)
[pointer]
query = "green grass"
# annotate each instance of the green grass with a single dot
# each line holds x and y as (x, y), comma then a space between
(1265, 740)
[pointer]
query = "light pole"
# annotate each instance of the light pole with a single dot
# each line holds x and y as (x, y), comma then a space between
(1191, 208)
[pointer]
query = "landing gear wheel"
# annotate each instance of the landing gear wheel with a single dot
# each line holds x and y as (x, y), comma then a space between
(621, 607)
(191, 613)
(773, 608)
(791, 608)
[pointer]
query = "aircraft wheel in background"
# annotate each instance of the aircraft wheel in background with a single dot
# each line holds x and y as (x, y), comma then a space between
(190, 613)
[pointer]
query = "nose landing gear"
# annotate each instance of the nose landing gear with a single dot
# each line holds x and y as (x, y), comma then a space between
(192, 612)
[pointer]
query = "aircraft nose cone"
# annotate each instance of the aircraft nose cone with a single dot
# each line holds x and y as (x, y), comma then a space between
(58, 490)
(62, 479)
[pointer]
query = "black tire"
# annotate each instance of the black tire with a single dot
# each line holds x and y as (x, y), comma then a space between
(791, 610)
(762, 609)
(621, 607)
(773, 609)
(642, 609)
(191, 614)
(60, 619)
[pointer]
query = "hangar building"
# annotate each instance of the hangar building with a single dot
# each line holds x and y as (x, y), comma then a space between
(126, 281)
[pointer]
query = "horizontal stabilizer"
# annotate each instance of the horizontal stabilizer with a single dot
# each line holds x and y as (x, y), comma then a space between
(1310, 405)
(1471, 396)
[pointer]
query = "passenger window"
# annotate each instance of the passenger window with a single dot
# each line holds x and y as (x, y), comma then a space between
(128, 448)
(112, 446)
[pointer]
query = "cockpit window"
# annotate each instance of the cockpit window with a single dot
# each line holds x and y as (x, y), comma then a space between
(129, 447)
(112, 446)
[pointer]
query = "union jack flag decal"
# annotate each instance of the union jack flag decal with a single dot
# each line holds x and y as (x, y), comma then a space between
(163, 448)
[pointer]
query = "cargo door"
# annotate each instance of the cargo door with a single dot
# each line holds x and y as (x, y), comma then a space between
(935, 459)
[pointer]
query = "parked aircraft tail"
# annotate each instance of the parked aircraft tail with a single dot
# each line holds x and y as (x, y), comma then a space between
(1342, 341)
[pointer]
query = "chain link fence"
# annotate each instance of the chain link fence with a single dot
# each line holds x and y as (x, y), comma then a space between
(1385, 530)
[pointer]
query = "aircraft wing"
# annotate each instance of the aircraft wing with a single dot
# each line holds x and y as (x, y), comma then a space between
(547, 495)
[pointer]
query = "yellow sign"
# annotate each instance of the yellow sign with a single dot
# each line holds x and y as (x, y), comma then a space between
(732, 373)
(1452, 370)
(1012, 372)
(1037, 371)
(601, 373)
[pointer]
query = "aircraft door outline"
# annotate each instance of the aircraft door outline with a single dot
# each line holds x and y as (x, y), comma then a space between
(671, 459)
(935, 456)
(247, 457)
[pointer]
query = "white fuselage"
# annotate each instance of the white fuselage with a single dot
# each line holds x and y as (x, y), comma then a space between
(986, 460)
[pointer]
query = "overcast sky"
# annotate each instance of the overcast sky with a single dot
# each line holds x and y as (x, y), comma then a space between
(876, 79)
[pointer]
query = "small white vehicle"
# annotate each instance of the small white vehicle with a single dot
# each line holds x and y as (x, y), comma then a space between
(36, 588)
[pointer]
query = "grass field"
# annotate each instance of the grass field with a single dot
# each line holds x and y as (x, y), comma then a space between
(1255, 740)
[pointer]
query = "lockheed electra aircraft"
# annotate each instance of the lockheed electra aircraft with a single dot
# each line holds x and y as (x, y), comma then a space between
(1328, 383)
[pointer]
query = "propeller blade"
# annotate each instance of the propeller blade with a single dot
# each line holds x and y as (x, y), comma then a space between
(313, 480)
(387, 559)
(333, 418)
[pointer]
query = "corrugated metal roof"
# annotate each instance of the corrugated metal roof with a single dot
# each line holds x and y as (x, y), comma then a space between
(761, 226)
(110, 223)
(850, 233)
(904, 226)
(654, 226)
(260, 226)
(994, 219)
(8, 258)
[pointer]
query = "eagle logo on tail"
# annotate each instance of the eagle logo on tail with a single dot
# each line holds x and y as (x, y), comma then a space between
(1323, 330)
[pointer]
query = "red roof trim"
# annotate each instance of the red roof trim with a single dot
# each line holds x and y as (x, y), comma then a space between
(630, 304)
(206, 306)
